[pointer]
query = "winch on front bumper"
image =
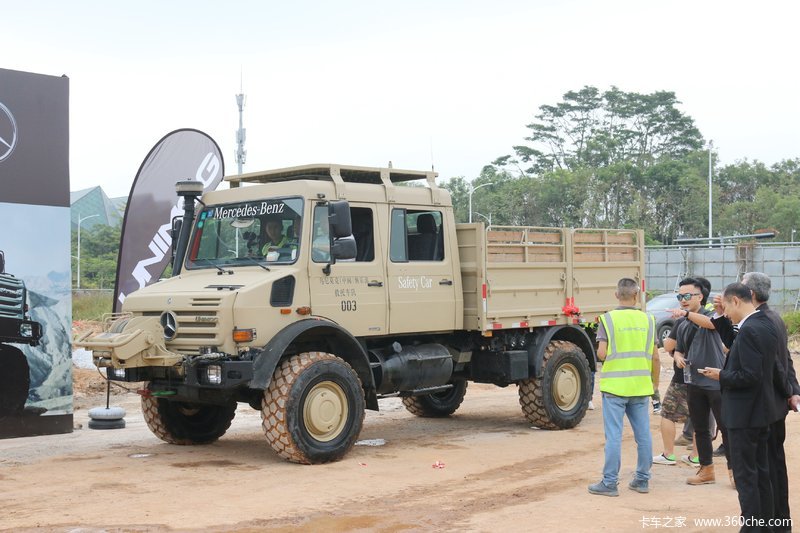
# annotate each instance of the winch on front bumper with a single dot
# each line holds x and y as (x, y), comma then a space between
(133, 349)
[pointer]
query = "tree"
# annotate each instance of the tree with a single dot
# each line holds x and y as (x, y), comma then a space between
(99, 250)
(589, 129)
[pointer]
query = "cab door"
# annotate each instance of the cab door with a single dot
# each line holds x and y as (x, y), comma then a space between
(354, 294)
(422, 283)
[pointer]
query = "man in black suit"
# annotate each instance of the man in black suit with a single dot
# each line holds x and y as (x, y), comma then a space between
(748, 404)
(786, 395)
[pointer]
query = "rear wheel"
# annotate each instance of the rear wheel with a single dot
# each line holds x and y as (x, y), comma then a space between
(186, 423)
(313, 409)
(15, 380)
(557, 400)
(438, 404)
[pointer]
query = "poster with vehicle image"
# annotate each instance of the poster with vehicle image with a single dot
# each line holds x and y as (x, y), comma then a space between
(35, 269)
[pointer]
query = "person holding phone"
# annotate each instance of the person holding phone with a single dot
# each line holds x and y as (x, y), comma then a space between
(748, 408)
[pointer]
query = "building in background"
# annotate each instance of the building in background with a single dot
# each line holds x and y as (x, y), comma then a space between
(94, 201)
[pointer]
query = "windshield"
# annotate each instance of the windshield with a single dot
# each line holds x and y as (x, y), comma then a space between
(263, 231)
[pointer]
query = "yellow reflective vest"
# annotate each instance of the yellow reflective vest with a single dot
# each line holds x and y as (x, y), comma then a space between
(629, 360)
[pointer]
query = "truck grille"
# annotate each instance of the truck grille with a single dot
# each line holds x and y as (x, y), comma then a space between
(198, 325)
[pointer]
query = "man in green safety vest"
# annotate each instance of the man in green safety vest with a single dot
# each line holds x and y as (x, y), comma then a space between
(626, 345)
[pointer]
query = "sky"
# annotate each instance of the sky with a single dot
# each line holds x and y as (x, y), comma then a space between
(33, 248)
(419, 83)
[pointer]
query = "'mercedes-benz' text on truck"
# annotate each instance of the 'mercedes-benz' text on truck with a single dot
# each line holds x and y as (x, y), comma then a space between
(311, 292)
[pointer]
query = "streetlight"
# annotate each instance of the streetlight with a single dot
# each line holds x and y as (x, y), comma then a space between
(471, 191)
(80, 220)
(793, 232)
(487, 219)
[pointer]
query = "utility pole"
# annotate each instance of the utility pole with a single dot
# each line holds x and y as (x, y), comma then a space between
(241, 153)
(710, 171)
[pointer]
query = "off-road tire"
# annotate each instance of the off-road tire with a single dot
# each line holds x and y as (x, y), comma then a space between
(186, 423)
(541, 404)
(15, 380)
(437, 404)
(313, 409)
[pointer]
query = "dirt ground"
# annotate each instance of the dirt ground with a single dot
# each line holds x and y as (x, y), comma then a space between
(496, 473)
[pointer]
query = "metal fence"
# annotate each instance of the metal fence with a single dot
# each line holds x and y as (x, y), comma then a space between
(721, 265)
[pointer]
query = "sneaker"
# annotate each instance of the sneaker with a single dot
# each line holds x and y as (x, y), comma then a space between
(591, 405)
(720, 451)
(656, 408)
(639, 485)
(602, 489)
(691, 461)
(683, 441)
(664, 459)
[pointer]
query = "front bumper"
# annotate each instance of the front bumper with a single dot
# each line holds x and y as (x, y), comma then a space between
(20, 331)
(192, 380)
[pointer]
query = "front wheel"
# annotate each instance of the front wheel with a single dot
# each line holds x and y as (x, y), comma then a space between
(186, 423)
(438, 404)
(559, 399)
(313, 409)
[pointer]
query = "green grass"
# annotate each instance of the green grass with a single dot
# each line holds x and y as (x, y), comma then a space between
(792, 319)
(91, 306)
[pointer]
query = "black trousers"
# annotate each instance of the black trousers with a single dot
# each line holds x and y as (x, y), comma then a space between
(750, 462)
(703, 402)
(777, 471)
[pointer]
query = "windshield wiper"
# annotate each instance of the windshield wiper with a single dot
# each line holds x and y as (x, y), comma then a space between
(221, 270)
(255, 262)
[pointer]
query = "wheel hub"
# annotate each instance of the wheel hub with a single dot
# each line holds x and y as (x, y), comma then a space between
(325, 411)
(566, 387)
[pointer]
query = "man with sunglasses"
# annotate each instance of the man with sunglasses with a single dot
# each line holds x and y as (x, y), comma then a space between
(700, 348)
(675, 406)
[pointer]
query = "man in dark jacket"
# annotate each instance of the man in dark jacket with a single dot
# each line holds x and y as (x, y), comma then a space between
(748, 405)
(786, 391)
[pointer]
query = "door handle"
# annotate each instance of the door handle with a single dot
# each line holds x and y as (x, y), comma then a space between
(446, 282)
(375, 284)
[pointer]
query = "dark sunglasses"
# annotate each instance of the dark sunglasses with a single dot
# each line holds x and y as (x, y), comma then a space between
(686, 297)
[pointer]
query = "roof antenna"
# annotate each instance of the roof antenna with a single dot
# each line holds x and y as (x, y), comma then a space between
(241, 133)
(390, 164)
(432, 169)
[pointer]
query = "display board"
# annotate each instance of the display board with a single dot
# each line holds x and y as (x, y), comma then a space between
(35, 275)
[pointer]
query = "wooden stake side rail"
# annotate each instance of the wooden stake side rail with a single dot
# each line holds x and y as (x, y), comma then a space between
(524, 277)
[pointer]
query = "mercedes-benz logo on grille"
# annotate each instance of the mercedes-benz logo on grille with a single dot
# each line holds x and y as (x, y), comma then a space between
(8, 132)
(170, 324)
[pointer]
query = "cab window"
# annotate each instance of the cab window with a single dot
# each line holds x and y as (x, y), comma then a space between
(416, 236)
(363, 233)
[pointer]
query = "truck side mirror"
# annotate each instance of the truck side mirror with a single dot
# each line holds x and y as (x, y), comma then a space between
(339, 219)
(344, 248)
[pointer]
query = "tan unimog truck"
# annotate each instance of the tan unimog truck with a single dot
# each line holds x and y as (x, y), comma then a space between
(311, 292)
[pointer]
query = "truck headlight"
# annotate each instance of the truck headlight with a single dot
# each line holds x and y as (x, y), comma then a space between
(213, 374)
(118, 373)
(26, 330)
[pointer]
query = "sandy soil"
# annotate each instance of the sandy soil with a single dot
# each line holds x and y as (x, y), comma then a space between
(499, 474)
